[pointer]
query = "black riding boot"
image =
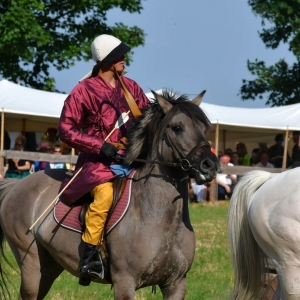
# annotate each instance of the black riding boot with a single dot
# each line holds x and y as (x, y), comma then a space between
(91, 266)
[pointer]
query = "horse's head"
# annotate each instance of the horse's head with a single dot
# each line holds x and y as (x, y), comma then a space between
(173, 130)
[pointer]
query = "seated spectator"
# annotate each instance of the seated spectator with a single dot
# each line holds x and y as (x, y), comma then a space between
(50, 139)
(235, 159)
(264, 161)
(18, 168)
(226, 182)
(56, 165)
(244, 157)
(228, 151)
(256, 152)
(198, 193)
(276, 153)
(45, 149)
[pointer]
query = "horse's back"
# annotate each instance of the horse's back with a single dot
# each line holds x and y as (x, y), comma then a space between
(274, 214)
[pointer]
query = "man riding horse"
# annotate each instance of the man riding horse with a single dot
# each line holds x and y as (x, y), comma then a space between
(88, 117)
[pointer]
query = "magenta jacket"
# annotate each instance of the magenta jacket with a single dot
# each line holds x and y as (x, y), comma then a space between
(88, 116)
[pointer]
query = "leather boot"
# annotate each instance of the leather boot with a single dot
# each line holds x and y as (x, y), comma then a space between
(91, 266)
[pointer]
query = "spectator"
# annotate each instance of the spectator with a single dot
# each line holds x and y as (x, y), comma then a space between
(18, 168)
(264, 161)
(296, 150)
(50, 139)
(56, 165)
(228, 151)
(276, 152)
(256, 152)
(226, 182)
(235, 159)
(198, 193)
(244, 157)
(45, 149)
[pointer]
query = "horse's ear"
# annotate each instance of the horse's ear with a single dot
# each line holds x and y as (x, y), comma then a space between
(198, 99)
(163, 103)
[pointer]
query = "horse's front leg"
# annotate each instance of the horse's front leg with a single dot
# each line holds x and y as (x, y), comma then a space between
(124, 287)
(174, 291)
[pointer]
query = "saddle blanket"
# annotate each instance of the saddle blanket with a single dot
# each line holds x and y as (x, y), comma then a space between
(70, 217)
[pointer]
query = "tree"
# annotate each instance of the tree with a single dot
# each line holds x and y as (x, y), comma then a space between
(280, 82)
(38, 34)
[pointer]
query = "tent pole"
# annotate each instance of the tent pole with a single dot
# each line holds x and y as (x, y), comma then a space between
(2, 144)
(217, 138)
(224, 140)
(213, 195)
(285, 148)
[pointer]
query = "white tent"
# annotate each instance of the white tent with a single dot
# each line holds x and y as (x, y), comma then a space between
(251, 126)
(26, 109)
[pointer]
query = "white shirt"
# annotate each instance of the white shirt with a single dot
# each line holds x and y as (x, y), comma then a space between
(225, 178)
(198, 190)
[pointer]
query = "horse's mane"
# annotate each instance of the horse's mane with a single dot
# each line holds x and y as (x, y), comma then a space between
(149, 128)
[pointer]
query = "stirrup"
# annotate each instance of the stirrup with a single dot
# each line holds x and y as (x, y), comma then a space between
(91, 270)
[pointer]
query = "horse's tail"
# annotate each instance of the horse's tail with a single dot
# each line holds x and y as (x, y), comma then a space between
(5, 187)
(247, 258)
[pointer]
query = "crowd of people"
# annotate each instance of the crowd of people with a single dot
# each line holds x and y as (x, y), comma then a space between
(262, 157)
(50, 143)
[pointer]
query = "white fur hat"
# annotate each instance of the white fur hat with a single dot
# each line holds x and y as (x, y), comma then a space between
(106, 49)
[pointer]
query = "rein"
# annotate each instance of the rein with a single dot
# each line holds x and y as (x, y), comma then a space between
(184, 164)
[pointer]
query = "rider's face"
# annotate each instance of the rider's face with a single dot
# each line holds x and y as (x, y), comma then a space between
(119, 64)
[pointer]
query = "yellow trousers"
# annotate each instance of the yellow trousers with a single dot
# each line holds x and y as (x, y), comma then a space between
(96, 215)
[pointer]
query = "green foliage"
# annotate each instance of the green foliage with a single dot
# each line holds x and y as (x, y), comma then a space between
(38, 34)
(281, 22)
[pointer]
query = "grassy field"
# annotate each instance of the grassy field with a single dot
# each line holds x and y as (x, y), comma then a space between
(209, 278)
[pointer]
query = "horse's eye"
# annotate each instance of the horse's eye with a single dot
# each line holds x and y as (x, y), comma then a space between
(177, 129)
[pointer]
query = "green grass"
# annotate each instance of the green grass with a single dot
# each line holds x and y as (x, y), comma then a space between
(209, 278)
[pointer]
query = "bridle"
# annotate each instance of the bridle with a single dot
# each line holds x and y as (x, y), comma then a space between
(184, 163)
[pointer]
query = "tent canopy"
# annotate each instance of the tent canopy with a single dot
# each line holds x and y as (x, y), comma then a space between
(28, 109)
(251, 125)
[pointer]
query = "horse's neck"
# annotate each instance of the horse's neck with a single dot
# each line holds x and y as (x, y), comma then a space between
(164, 191)
(156, 178)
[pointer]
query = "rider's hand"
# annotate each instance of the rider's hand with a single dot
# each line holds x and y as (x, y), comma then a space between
(109, 150)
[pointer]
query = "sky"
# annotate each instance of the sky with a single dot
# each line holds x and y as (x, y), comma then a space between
(191, 46)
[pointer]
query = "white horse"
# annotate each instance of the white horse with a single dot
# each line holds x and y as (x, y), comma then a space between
(264, 222)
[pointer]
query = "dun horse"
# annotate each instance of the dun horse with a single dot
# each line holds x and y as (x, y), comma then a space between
(264, 226)
(154, 243)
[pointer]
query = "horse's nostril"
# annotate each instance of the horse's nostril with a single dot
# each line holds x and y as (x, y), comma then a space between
(206, 165)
